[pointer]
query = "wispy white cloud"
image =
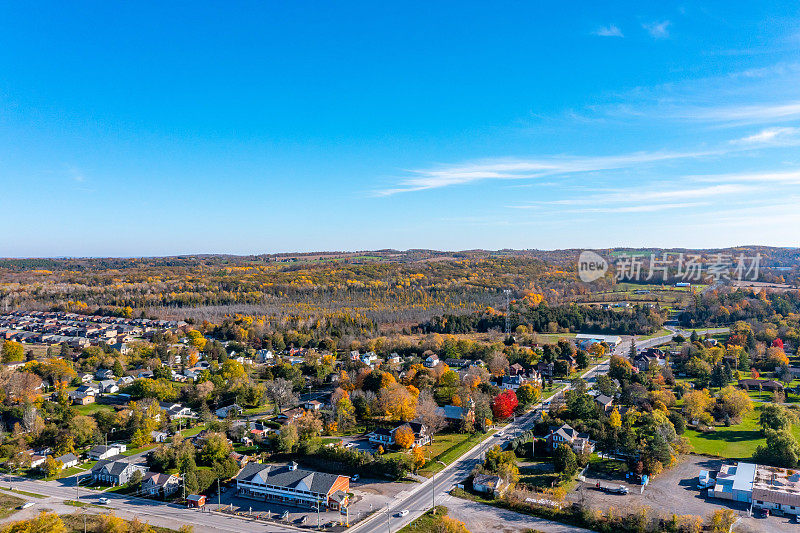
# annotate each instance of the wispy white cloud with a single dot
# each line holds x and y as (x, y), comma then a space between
(657, 30)
(608, 31)
(790, 177)
(641, 208)
(515, 169)
(746, 114)
(638, 195)
(771, 136)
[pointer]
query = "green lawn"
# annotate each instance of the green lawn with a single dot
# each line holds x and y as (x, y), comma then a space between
(92, 408)
(134, 451)
(191, 432)
(448, 447)
(735, 442)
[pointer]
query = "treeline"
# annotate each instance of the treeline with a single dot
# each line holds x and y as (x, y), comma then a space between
(638, 320)
(727, 305)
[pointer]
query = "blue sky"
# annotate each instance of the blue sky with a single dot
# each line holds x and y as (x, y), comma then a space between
(249, 127)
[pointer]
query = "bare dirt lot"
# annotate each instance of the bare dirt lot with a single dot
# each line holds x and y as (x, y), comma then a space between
(675, 491)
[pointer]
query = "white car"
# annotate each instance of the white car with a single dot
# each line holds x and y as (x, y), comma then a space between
(103, 501)
(26, 505)
(402, 513)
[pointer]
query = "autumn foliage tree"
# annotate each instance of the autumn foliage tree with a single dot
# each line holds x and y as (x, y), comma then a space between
(404, 436)
(504, 404)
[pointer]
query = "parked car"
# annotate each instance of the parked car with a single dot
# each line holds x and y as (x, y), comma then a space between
(103, 501)
(285, 515)
(355, 478)
(760, 512)
(26, 505)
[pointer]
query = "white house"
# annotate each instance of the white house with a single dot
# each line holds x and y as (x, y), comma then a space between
(68, 460)
(432, 361)
(109, 386)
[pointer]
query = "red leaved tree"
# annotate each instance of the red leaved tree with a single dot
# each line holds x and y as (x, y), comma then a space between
(504, 404)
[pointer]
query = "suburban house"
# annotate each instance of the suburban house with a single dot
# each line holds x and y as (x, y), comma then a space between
(386, 436)
(81, 398)
(91, 388)
(516, 369)
(37, 460)
(606, 403)
(291, 485)
(313, 405)
(222, 412)
(760, 384)
(431, 361)
(101, 451)
(290, 414)
(369, 358)
(176, 410)
(565, 434)
(455, 414)
(108, 386)
(158, 484)
(643, 361)
(159, 436)
(104, 373)
(68, 460)
(125, 381)
(263, 356)
(513, 382)
(488, 484)
(115, 472)
(86, 378)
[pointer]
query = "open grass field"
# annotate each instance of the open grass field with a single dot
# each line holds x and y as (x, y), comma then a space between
(736, 442)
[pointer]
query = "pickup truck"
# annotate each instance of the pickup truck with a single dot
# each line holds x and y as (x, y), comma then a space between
(611, 489)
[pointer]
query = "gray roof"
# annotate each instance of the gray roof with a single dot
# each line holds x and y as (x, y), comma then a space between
(603, 399)
(67, 458)
(282, 476)
(114, 468)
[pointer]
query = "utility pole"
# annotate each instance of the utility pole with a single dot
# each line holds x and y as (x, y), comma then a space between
(388, 525)
(219, 494)
(433, 493)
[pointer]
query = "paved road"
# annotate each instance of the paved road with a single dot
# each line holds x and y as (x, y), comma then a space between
(150, 511)
(435, 490)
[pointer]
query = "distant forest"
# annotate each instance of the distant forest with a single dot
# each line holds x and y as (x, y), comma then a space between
(364, 293)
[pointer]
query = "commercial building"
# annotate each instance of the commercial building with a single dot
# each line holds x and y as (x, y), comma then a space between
(290, 485)
(765, 487)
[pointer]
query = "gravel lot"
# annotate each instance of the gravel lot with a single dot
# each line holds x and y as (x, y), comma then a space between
(675, 491)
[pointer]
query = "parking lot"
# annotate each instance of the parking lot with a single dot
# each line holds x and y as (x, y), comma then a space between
(675, 491)
(368, 495)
